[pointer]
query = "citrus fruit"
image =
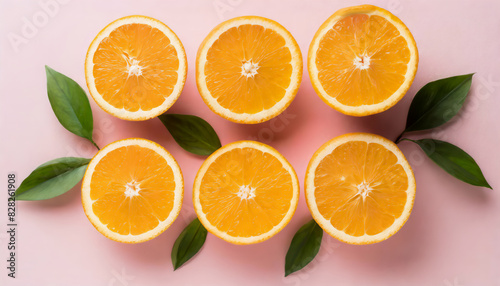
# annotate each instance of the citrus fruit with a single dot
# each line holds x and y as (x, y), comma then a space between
(362, 60)
(132, 190)
(245, 192)
(135, 68)
(248, 69)
(360, 188)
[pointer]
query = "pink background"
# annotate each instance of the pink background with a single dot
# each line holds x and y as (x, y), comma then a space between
(451, 237)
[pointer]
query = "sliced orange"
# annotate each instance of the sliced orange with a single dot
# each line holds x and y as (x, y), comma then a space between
(132, 190)
(360, 188)
(245, 192)
(362, 60)
(136, 68)
(248, 69)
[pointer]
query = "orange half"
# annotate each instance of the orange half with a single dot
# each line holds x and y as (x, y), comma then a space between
(248, 69)
(132, 190)
(360, 188)
(245, 192)
(362, 60)
(136, 68)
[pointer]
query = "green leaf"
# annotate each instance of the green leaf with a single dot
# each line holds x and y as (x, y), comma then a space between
(188, 243)
(52, 179)
(192, 133)
(453, 160)
(70, 104)
(304, 247)
(437, 102)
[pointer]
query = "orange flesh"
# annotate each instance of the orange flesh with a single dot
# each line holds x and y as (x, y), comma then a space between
(337, 192)
(372, 42)
(228, 54)
(132, 214)
(121, 55)
(253, 169)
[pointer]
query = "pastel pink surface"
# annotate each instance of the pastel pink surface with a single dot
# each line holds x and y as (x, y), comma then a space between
(451, 237)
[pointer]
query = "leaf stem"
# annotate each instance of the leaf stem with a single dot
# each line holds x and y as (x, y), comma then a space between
(95, 144)
(398, 139)
(406, 139)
